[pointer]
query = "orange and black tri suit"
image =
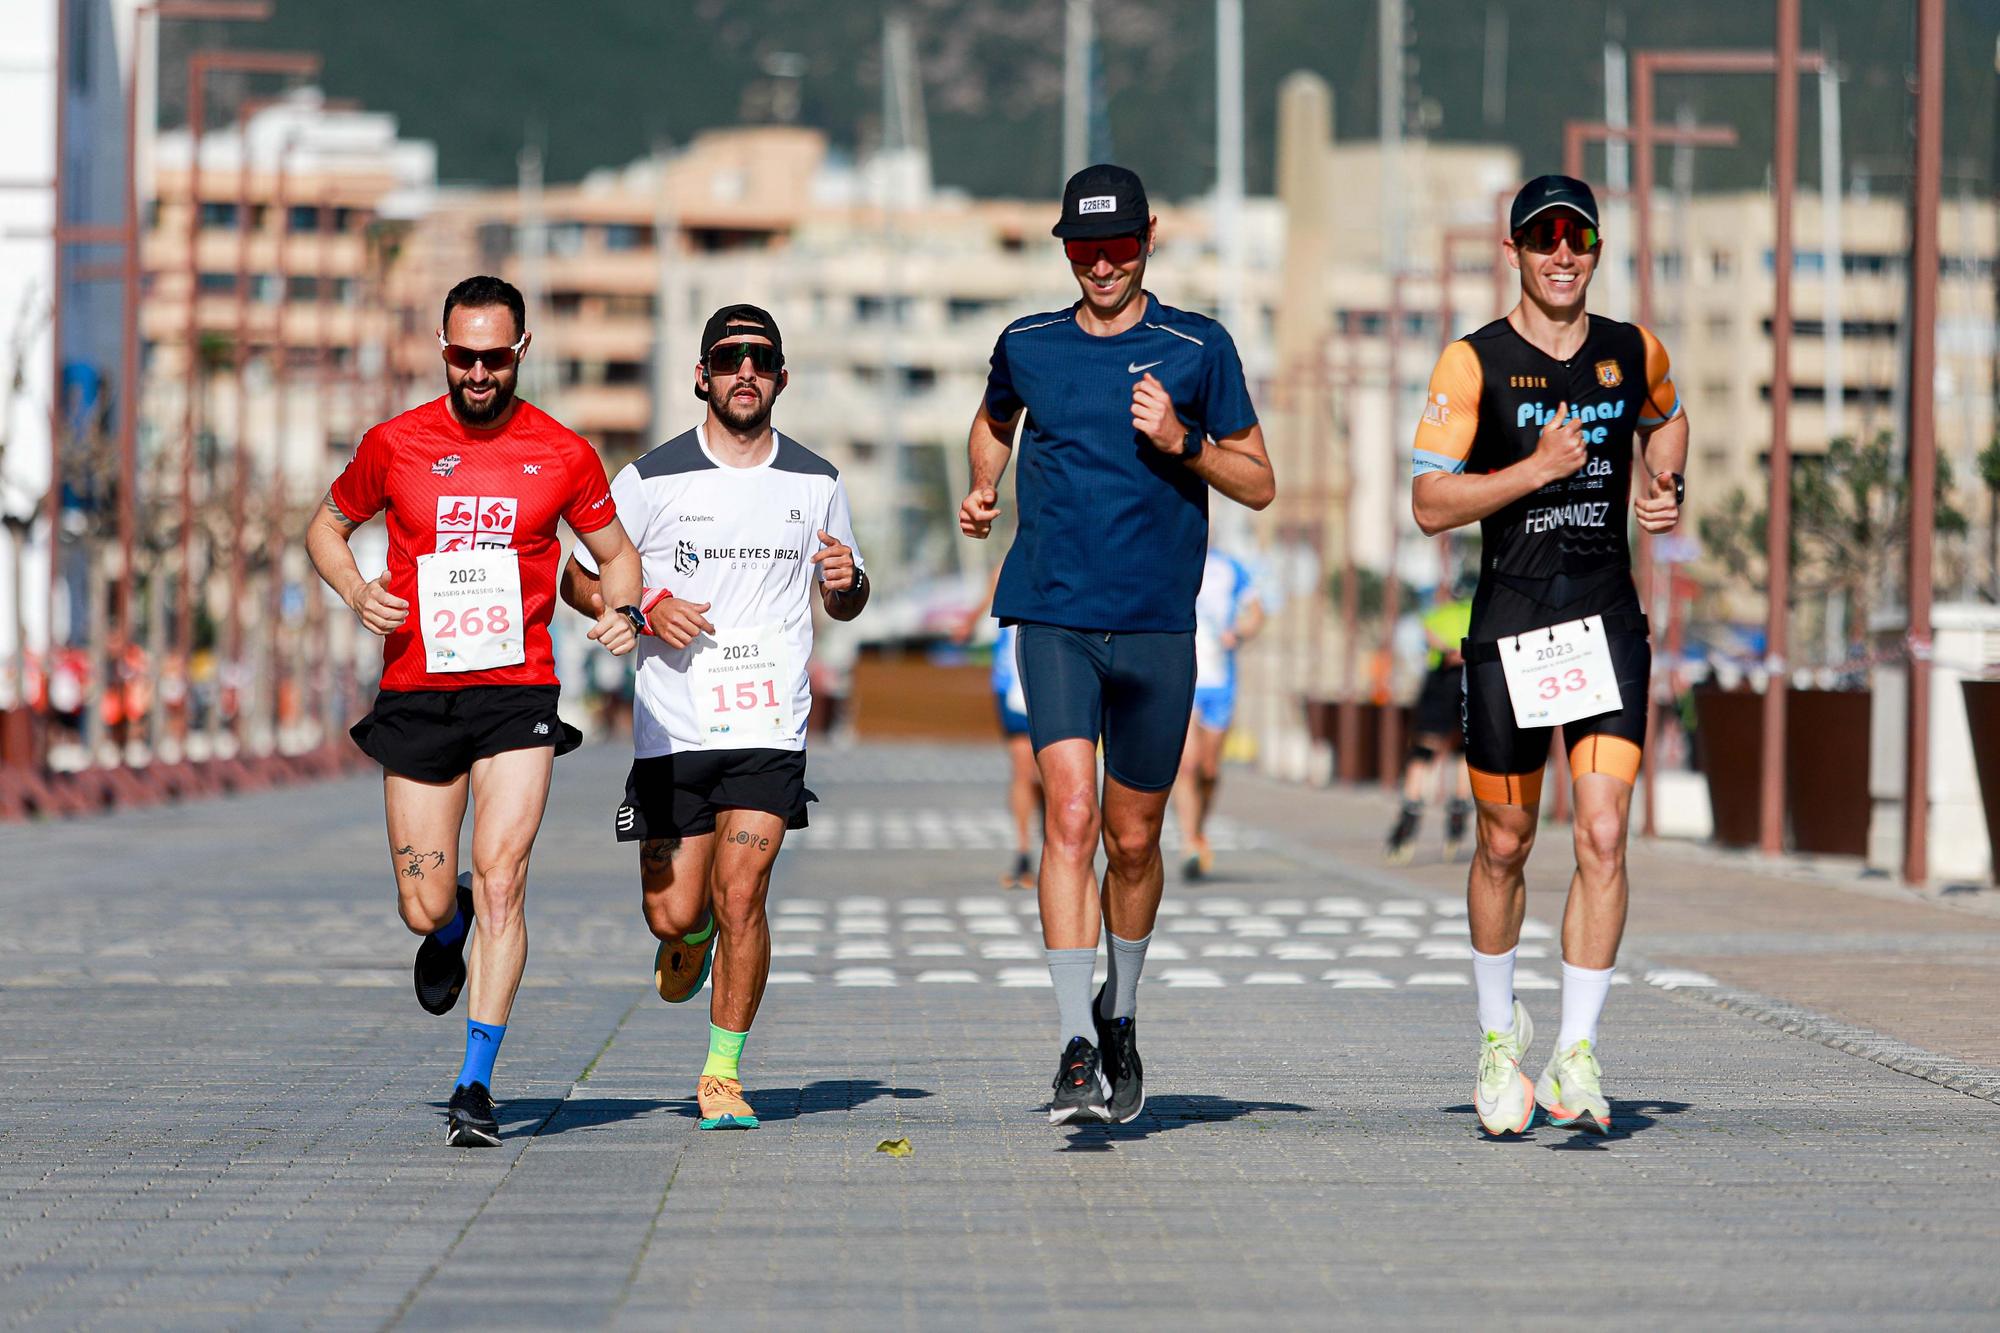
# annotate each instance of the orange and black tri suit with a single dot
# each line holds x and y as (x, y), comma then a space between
(1561, 553)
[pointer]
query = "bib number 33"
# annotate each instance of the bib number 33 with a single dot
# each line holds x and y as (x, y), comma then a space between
(470, 608)
(1560, 674)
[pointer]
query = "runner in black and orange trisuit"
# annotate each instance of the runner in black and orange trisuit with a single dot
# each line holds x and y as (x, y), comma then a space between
(1528, 429)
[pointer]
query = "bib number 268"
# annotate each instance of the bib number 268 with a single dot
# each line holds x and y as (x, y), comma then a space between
(471, 622)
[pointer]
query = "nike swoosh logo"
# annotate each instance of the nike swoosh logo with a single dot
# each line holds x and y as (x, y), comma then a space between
(1134, 368)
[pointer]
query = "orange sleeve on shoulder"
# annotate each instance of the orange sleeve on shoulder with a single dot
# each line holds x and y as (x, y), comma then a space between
(1451, 412)
(1663, 400)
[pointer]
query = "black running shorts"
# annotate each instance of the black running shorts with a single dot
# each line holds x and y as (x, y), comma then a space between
(435, 735)
(679, 795)
(1439, 707)
(1506, 761)
(1132, 690)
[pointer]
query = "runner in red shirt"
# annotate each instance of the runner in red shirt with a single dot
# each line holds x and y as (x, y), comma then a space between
(471, 485)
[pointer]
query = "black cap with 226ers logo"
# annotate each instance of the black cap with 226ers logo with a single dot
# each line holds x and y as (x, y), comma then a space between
(1102, 201)
(1543, 193)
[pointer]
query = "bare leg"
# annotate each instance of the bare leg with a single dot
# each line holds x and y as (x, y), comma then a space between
(1496, 891)
(673, 883)
(509, 791)
(424, 821)
(1594, 918)
(1024, 791)
(746, 842)
(1071, 826)
(1134, 877)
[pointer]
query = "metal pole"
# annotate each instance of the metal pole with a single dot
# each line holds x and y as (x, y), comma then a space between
(1923, 427)
(1785, 148)
(1390, 732)
(1229, 162)
(191, 372)
(58, 391)
(232, 657)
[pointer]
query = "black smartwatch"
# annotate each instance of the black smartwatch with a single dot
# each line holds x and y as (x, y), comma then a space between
(1191, 444)
(636, 616)
(1680, 489)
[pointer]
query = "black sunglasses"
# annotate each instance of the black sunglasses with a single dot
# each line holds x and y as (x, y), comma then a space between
(724, 358)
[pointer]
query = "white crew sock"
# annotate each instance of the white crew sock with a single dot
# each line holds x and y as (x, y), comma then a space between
(1584, 992)
(1493, 974)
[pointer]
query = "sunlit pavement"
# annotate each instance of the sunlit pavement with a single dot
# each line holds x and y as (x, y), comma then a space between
(221, 1107)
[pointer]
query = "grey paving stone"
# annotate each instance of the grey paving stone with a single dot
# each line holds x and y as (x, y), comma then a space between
(263, 1149)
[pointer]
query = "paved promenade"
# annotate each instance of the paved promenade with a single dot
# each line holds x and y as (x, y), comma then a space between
(220, 1106)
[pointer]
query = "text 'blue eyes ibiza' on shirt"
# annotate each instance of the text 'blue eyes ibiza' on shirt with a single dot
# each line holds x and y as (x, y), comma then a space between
(1112, 531)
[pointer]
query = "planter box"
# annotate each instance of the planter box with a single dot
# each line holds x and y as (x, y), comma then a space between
(1826, 767)
(1982, 715)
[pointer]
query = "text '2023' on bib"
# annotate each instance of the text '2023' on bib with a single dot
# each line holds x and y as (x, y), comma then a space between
(741, 680)
(1560, 674)
(469, 609)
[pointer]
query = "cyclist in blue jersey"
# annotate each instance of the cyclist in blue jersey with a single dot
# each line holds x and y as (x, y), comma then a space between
(1128, 411)
(1227, 614)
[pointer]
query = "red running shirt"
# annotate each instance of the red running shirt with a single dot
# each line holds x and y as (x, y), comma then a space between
(447, 488)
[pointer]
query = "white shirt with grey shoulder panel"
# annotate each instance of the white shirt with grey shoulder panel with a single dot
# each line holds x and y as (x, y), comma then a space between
(738, 538)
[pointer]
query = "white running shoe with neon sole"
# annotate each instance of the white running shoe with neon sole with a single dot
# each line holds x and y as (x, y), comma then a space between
(1503, 1096)
(1571, 1092)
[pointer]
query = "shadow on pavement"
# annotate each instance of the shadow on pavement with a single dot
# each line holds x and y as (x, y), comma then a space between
(1168, 1112)
(1627, 1119)
(541, 1116)
(832, 1094)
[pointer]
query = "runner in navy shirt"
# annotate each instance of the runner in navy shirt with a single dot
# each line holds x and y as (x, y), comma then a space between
(1133, 410)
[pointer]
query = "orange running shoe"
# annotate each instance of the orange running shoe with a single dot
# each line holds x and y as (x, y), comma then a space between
(722, 1105)
(681, 966)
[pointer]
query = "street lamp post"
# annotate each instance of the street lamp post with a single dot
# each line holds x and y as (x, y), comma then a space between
(1923, 431)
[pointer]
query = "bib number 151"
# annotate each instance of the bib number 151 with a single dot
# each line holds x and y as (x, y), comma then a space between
(745, 695)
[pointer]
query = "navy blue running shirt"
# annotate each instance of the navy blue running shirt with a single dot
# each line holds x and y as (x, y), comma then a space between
(1112, 532)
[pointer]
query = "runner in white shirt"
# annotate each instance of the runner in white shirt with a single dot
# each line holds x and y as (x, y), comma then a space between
(735, 524)
(1228, 612)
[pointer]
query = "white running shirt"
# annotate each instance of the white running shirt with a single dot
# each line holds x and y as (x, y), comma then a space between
(739, 538)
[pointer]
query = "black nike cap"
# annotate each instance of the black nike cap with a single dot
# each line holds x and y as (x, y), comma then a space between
(1101, 201)
(1545, 192)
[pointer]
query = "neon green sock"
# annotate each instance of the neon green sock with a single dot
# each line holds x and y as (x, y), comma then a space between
(725, 1048)
(697, 936)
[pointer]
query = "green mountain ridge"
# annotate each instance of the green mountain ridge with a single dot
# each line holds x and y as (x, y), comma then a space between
(599, 82)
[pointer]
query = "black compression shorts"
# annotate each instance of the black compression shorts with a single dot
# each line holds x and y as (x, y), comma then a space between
(1506, 760)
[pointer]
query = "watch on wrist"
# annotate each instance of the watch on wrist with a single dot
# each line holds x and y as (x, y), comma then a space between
(1191, 444)
(1680, 489)
(635, 616)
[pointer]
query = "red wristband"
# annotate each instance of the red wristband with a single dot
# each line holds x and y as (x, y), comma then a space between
(648, 599)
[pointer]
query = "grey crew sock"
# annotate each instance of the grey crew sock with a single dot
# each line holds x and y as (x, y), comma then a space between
(1121, 988)
(1069, 970)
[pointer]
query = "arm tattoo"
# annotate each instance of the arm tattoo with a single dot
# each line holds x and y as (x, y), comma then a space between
(339, 516)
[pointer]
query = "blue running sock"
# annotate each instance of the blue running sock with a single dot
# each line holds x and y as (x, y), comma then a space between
(452, 931)
(482, 1044)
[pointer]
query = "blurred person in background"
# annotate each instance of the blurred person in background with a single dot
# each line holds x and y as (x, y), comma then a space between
(1228, 612)
(1435, 737)
(1010, 709)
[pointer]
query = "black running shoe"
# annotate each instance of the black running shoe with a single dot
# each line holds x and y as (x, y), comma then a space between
(469, 1121)
(1080, 1086)
(1022, 876)
(1119, 1041)
(1404, 834)
(441, 967)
